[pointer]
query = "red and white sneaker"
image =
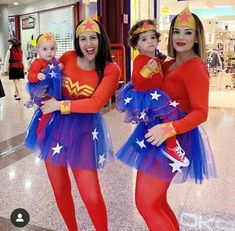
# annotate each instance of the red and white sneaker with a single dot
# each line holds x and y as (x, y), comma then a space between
(177, 155)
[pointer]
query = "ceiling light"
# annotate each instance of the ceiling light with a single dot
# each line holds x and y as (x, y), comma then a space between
(15, 3)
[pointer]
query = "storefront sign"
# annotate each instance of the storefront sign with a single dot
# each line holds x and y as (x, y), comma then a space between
(28, 23)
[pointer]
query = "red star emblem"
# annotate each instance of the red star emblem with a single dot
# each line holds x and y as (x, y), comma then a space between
(146, 25)
(184, 17)
(48, 37)
(88, 25)
(66, 104)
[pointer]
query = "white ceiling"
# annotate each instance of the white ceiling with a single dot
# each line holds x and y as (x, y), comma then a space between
(193, 3)
(175, 6)
(21, 2)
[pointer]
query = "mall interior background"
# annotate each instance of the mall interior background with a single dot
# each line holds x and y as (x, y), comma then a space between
(196, 206)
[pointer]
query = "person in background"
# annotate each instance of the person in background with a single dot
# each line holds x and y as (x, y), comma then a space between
(15, 65)
(186, 81)
(72, 131)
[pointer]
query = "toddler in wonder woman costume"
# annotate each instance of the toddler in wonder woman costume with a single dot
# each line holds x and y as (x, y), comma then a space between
(44, 81)
(142, 100)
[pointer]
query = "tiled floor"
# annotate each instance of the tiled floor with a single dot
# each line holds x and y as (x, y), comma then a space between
(24, 183)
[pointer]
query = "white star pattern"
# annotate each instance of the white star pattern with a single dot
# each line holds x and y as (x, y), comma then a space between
(142, 115)
(52, 74)
(175, 167)
(155, 95)
(173, 103)
(57, 149)
(102, 159)
(94, 134)
(51, 66)
(140, 143)
(127, 100)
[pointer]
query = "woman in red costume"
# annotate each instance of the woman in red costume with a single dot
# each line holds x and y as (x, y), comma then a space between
(15, 65)
(186, 80)
(72, 132)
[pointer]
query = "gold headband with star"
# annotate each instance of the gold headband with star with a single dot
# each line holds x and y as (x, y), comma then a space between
(88, 24)
(46, 37)
(145, 27)
(185, 18)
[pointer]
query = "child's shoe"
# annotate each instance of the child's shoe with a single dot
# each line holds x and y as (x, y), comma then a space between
(176, 154)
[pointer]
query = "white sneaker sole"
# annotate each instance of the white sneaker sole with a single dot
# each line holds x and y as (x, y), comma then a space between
(183, 164)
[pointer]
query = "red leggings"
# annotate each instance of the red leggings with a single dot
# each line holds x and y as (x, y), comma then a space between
(150, 196)
(89, 188)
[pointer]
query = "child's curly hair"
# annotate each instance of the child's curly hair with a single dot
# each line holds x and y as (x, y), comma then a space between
(133, 38)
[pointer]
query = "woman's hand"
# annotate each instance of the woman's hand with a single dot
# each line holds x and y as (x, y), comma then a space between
(50, 105)
(159, 133)
(155, 135)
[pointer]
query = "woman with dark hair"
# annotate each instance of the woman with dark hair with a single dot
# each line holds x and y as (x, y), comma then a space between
(15, 65)
(186, 81)
(72, 132)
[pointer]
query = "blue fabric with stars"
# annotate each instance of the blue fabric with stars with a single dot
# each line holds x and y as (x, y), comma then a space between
(78, 140)
(143, 156)
(145, 106)
(49, 87)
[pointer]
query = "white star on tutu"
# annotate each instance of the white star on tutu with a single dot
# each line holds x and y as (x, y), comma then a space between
(155, 95)
(51, 66)
(94, 134)
(127, 100)
(52, 74)
(173, 103)
(57, 149)
(175, 167)
(142, 115)
(102, 159)
(140, 143)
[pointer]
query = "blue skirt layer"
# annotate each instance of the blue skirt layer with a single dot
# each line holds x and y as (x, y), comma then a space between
(145, 106)
(143, 156)
(78, 140)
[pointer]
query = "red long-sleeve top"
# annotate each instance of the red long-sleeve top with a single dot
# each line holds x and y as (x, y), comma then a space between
(188, 84)
(37, 66)
(141, 83)
(82, 86)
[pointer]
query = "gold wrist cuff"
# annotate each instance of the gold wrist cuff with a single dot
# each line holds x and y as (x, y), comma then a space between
(65, 107)
(168, 130)
(145, 72)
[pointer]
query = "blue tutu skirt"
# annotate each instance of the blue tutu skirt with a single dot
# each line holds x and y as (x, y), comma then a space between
(145, 106)
(78, 140)
(143, 156)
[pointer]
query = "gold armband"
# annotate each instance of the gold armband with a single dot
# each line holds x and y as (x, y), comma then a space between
(145, 72)
(65, 107)
(168, 130)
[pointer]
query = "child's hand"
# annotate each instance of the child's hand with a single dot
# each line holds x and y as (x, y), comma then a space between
(41, 76)
(61, 66)
(152, 65)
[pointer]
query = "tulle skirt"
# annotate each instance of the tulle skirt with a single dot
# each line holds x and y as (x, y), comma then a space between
(78, 140)
(143, 156)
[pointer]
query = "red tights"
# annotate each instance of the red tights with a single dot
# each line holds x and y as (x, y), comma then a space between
(152, 204)
(89, 188)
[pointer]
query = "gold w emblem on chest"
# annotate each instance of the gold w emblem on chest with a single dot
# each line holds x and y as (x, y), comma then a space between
(76, 89)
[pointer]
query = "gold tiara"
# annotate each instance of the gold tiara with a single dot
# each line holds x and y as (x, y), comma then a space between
(46, 37)
(88, 24)
(185, 18)
(145, 27)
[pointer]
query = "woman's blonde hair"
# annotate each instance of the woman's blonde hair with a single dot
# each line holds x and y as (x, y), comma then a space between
(199, 46)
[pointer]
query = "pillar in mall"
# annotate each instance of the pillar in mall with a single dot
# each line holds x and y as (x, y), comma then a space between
(3, 30)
